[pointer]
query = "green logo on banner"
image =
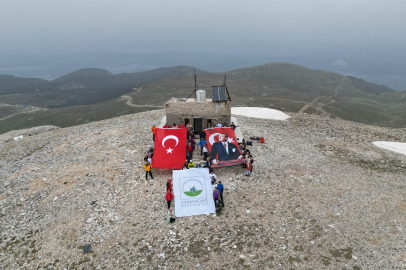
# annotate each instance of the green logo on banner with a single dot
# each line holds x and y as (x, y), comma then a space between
(192, 188)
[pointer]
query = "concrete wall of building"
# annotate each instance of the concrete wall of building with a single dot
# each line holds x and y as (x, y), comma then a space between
(216, 111)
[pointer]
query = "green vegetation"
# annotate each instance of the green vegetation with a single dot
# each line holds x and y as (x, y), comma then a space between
(93, 94)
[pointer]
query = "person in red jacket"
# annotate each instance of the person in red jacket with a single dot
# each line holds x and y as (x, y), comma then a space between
(166, 125)
(169, 184)
(169, 196)
(181, 125)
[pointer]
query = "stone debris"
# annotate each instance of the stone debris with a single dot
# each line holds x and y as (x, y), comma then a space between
(330, 194)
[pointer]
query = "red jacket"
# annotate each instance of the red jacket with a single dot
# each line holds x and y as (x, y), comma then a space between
(181, 126)
(169, 185)
(249, 166)
(169, 196)
(166, 126)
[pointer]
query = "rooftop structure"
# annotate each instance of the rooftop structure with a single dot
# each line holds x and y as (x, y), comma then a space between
(198, 113)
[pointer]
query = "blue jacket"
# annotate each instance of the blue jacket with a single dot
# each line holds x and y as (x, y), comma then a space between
(202, 143)
(220, 188)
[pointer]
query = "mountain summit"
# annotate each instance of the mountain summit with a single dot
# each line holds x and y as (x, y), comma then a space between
(85, 74)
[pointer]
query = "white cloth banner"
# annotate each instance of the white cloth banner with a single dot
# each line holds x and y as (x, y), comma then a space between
(193, 192)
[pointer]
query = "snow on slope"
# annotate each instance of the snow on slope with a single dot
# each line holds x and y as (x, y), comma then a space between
(397, 147)
(258, 112)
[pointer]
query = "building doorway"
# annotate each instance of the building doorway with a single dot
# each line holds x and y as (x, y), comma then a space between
(209, 123)
(197, 125)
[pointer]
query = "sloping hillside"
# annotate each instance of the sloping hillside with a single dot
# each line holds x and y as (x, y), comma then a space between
(88, 86)
(85, 74)
(318, 82)
(9, 82)
(321, 196)
(281, 86)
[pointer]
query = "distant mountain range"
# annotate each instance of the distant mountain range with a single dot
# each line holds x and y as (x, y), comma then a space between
(93, 94)
(378, 63)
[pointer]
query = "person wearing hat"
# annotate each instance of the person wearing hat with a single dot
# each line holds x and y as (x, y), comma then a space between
(153, 132)
(191, 164)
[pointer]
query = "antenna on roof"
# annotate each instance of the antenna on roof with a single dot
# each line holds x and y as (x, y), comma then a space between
(194, 91)
(225, 79)
(194, 71)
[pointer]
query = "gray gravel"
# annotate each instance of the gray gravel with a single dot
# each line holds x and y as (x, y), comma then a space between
(321, 196)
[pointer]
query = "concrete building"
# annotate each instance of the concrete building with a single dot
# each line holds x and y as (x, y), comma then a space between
(197, 112)
(200, 111)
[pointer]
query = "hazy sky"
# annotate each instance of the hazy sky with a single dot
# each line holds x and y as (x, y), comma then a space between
(187, 25)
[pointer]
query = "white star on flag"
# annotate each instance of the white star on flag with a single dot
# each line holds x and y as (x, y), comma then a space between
(230, 140)
(169, 150)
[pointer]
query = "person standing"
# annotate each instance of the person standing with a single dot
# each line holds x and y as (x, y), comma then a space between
(153, 132)
(171, 217)
(232, 125)
(166, 125)
(181, 125)
(252, 162)
(148, 168)
(216, 197)
(209, 162)
(202, 143)
(205, 151)
(248, 163)
(169, 196)
(212, 174)
(202, 135)
(219, 124)
(151, 152)
(190, 150)
(169, 184)
(220, 188)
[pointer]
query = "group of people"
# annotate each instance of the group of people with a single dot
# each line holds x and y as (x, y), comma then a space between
(218, 190)
(191, 145)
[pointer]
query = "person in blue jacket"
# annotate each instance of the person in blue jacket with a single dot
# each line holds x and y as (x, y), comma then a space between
(201, 144)
(220, 188)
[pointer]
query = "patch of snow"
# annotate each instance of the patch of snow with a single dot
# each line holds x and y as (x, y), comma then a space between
(259, 112)
(397, 147)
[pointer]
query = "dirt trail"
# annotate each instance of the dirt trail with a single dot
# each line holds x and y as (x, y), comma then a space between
(308, 105)
(129, 99)
(32, 111)
(338, 88)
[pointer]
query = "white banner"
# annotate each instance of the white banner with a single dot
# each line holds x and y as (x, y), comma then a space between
(193, 192)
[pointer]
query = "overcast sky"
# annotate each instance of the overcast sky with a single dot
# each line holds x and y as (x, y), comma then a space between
(205, 26)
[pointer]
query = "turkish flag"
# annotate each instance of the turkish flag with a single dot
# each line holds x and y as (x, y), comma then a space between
(223, 147)
(169, 148)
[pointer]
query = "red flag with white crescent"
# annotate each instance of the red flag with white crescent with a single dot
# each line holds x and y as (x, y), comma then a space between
(223, 147)
(169, 148)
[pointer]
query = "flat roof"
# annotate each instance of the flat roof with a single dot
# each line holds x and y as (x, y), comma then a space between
(189, 100)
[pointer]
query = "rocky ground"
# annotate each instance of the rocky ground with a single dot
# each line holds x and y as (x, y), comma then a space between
(321, 197)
